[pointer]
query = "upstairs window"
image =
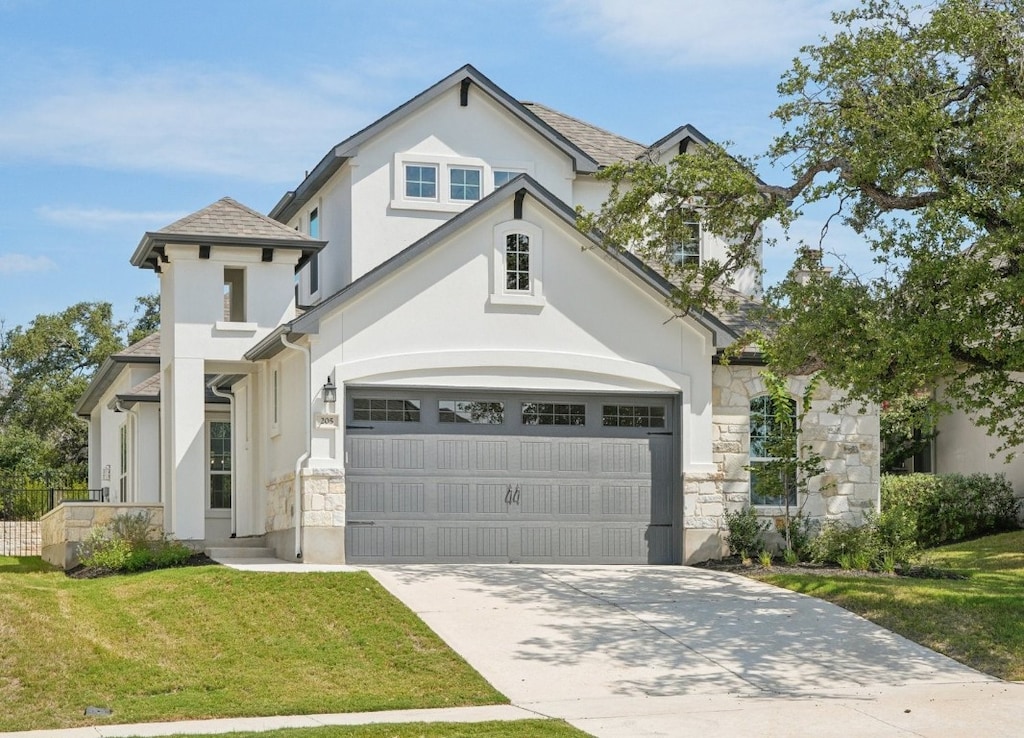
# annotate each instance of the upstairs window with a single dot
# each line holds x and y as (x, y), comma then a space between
(687, 251)
(517, 262)
(234, 294)
(421, 181)
(504, 176)
(314, 260)
(464, 183)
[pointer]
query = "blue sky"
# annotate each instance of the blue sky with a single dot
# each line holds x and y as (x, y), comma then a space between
(118, 117)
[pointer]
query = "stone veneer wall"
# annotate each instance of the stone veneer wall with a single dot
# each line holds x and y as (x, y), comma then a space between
(323, 516)
(847, 440)
(66, 526)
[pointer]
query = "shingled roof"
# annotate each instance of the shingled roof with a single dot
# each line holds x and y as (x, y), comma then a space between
(228, 217)
(148, 347)
(226, 222)
(602, 146)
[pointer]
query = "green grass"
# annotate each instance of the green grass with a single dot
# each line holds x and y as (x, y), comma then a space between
(510, 729)
(978, 621)
(213, 642)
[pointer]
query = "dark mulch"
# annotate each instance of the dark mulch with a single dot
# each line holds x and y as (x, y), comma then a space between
(735, 564)
(96, 572)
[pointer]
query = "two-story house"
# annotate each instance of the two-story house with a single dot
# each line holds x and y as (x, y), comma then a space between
(418, 357)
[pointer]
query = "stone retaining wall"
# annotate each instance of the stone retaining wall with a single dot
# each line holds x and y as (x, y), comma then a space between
(64, 528)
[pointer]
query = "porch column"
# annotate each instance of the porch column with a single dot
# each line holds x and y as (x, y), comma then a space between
(188, 450)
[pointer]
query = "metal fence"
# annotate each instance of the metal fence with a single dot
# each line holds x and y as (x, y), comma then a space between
(25, 498)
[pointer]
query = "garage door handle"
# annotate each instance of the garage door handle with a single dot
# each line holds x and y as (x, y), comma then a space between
(660, 433)
(508, 495)
(515, 496)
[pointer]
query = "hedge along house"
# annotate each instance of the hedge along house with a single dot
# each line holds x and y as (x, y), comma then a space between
(423, 359)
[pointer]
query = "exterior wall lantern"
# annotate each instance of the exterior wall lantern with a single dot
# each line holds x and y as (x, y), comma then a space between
(330, 392)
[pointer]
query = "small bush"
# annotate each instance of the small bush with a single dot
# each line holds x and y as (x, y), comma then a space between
(746, 531)
(840, 543)
(790, 557)
(800, 535)
(765, 559)
(127, 544)
(895, 538)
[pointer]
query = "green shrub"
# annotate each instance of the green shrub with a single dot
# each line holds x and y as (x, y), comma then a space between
(746, 531)
(840, 542)
(127, 544)
(765, 559)
(791, 557)
(895, 537)
(951, 507)
(800, 534)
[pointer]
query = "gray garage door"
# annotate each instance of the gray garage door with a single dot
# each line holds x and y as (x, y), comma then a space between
(465, 477)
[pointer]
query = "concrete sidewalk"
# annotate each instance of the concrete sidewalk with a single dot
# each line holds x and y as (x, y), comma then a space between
(664, 651)
(252, 724)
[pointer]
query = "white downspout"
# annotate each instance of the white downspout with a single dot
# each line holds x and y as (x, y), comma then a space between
(230, 397)
(299, 462)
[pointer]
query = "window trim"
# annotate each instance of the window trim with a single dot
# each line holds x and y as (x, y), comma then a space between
(753, 461)
(500, 294)
(443, 165)
(405, 181)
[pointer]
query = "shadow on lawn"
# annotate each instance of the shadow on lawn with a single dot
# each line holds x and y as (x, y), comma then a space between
(678, 631)
(24, 565)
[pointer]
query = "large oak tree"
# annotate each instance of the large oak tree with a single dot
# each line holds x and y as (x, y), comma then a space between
(910, 121)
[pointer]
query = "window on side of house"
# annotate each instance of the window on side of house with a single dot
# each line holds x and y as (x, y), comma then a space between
(772, 439)
(220, 465)
(234, 294)
(687, 251)
(464, 183)
(421, 181)
(314, 260)
(517, 262)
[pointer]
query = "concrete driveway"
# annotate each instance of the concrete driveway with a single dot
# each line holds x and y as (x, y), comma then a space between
(667, 651)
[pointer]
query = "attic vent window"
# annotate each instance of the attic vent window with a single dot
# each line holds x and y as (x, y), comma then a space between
(234, 294)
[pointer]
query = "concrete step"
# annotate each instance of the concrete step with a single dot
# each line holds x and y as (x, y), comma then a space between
(240, 552)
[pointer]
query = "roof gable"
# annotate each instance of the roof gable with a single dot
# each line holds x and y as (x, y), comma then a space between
(518, 188)
(466, 77)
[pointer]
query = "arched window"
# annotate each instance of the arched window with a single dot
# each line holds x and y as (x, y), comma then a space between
(773, 447)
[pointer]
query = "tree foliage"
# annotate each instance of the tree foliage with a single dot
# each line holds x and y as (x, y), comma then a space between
(907, 120)
(46, 367)
(148, 322)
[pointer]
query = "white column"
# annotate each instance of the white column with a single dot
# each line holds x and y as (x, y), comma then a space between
(188, 450)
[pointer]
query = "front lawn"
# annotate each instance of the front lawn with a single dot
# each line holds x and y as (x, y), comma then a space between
(213, 642)
(978, 620)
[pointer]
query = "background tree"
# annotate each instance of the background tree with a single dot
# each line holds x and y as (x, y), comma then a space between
(46, 367)
(909, 120)
(147, 308)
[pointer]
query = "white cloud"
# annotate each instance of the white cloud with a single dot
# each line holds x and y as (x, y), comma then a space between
(79, 217)
(710, 33)
(20, 263)
(183, 119)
